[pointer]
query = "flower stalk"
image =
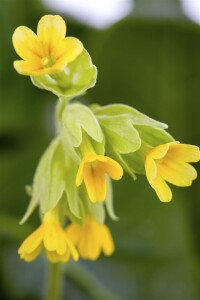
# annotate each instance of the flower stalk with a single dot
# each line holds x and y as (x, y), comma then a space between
(54, 288)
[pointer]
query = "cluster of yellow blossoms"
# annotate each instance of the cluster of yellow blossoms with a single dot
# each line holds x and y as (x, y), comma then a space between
(61, 65)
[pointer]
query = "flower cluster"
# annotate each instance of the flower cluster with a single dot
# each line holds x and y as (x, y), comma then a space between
(93, 144)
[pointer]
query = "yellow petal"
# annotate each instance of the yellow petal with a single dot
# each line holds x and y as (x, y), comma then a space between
(150, 168)
(72, 250)
(32, 242)
(60, 64)
(95, 182)
(94, 248)
(89, 247)
(184, 152)
(95, 157)
(51, 29)
(54, 257)
(112, 168)
(61, 242)
(162, 189)
(107, 240)
(50, 238)
(159, 151)
(73, 233)
(67, 50)
(177, 173)
(28, 68)
(54, 239)
(27, 45)
(28, 257)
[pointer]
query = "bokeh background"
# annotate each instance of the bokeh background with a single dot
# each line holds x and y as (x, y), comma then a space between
(148, 55)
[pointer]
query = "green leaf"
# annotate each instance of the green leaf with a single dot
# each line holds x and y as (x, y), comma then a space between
(77, 77)
(78, 117)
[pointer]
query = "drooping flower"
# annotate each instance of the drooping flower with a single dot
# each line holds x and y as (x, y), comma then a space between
(93, 170)
(170, 162)
(91, 238)
(47, 52)
(51, 237)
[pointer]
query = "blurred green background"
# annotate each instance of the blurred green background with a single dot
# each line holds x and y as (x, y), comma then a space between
(150, 60)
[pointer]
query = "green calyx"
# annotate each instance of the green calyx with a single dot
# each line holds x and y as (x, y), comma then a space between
(74, 80)
(129, 135)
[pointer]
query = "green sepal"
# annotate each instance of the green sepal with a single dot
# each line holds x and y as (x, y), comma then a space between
(71, 190)
(68, 213)
(77, 77)
(129, 135)
(78, 117)
(89, 146)
(151, 137)
(30, 209)
(48, 185)
(109, 200)
(51, 182)
(68, 148)
(119, 131)
(32, 204)
(97, 210)
(129, 112)
(119, 158)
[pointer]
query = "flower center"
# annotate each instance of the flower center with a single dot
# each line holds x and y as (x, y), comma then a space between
(93, 165)
(47, 61)
(51, 216)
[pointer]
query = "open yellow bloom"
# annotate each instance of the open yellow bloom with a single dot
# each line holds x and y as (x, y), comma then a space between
(93, 170)
(91, 238)
(169, 162)
(51, 237)
(47, 52)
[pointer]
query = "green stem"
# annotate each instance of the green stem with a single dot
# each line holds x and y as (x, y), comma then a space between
(54, 282)
(61, 105)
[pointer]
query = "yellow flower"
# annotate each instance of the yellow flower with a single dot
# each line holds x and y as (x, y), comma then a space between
(93, 170)
(51, 237)
(47, 52)
(91, 238)
(169, 162)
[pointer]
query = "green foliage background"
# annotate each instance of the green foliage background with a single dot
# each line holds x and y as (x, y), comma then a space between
(152, 64)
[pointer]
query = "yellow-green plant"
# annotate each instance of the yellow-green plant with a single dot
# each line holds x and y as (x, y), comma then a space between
(93, 144)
